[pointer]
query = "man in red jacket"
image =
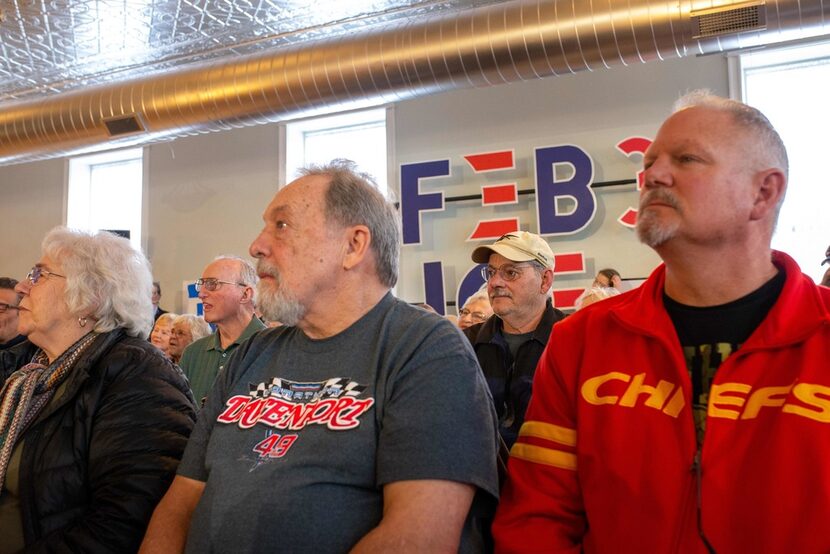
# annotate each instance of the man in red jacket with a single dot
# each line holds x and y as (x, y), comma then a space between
(693, 413)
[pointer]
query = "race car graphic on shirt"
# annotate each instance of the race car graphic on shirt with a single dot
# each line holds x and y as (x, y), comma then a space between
(284, 405)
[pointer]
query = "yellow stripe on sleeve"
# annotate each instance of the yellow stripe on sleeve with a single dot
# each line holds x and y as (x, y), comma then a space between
(548, 431)
(547, 456)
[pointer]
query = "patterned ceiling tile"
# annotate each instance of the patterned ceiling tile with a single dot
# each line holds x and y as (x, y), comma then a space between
(50, 46)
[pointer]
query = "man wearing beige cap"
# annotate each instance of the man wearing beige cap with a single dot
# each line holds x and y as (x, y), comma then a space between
(519, 275)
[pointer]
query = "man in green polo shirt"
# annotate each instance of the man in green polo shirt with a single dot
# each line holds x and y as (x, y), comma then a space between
(227, 291)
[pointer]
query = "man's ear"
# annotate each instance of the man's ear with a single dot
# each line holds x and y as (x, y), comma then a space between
(547, 281)
(247, 295)
(358, 241)
(771, 184)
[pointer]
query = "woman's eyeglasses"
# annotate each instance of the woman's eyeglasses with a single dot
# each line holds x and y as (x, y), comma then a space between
(478, 317)
(37, 272)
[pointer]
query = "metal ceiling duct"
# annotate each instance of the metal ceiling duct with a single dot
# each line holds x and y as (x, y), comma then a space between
(513, 41)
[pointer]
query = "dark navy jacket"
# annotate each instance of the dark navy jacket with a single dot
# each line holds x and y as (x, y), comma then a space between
(510, 381)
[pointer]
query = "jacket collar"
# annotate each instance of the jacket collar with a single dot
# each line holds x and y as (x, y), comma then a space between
(81, 372)
(799, 309)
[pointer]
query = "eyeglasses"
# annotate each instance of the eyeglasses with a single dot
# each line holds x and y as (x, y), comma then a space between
(213, 284)
(37, 272)
(478, 317)
(6, 307)
(508, 272)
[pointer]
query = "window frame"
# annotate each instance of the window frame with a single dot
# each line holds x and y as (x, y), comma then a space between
(79, 168)
(802, 53)
(291, 137)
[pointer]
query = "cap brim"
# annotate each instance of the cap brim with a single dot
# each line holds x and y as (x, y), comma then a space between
(482, 254)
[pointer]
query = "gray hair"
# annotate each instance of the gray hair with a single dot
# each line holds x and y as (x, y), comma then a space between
(596, 294)
(107, 280)
(199, 328)
(480, 294)
(745, 116)
(7, 283)
(246, 274)
(353, 198)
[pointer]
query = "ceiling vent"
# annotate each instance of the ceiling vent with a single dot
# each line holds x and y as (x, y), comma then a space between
(123, 125)
(728, 20)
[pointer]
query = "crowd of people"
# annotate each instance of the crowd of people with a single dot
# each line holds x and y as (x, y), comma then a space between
(687, 414)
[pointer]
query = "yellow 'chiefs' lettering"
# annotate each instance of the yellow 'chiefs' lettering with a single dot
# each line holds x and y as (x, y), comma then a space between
(659, 397)
(808, 394)
(726, 400)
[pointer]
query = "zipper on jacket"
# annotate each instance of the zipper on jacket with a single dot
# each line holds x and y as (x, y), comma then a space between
(697, 475)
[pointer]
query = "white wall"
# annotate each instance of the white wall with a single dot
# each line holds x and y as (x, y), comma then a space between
(31, 203)
(207, 193)
(206, 198)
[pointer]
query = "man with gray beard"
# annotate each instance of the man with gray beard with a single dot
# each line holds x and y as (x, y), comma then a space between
(362, 424)
(690, 414)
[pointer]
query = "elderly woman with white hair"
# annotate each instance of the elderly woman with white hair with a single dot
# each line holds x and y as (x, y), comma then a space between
(476, 309)
(185, 329)
(93, 419)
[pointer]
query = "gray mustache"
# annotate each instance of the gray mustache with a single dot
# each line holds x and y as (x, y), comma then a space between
(658, 195)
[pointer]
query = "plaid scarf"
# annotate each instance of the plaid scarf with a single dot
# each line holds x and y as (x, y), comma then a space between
(28, 390)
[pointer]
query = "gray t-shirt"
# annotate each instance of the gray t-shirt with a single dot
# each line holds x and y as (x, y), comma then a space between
(298, 436)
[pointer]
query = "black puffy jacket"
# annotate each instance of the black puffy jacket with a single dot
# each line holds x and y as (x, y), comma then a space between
(100, 456)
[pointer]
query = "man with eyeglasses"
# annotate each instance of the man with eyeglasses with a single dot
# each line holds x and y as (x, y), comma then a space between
(691, 414)
(8, 314)
(228, 295)
(519, 275)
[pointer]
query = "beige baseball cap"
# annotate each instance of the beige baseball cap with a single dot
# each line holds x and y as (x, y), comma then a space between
(517, 247)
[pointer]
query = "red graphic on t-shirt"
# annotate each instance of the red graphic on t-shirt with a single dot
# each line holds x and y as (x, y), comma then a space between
(338, 414)
(275, 446)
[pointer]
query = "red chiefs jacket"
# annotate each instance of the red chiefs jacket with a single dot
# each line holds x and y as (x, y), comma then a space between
(606, 460)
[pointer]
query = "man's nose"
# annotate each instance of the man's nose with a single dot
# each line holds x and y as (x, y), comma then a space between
(657, 173)
(258, 248)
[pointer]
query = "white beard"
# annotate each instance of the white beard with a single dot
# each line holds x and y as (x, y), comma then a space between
(276, 303)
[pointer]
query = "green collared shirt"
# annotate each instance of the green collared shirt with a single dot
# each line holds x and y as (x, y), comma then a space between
(203, 359)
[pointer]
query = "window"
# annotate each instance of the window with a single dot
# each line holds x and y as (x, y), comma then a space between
(360, 136)
(786, 84)
(105, 192)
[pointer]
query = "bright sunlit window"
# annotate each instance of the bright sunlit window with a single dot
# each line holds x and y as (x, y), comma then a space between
(790, 86)
(105, 192)
(360, 136)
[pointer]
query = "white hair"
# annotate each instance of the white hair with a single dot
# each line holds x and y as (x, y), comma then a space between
(594, 294)
(480, 294)
(199, 328)
(107, 280)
